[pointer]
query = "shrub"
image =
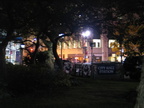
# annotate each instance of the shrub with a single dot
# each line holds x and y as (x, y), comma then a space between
(28, 79)
(3, 91)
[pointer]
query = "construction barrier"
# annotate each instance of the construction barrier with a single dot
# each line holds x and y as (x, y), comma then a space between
(96, 70)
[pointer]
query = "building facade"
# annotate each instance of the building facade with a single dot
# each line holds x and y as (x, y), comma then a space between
(99, 51)
(78, 51)
(14, 51)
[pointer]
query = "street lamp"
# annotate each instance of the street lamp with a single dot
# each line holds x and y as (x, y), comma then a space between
(91, 45)
(61, 44)
(121, 55)
(61, 50)
(22, 46)
(85, 34)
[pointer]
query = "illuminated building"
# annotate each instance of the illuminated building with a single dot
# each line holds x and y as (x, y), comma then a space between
(70, 49)
(14, 52)
(102, 51)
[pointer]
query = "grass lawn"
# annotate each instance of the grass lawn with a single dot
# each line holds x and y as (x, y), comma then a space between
(90, 93)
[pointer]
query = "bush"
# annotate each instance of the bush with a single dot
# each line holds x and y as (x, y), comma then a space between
(24, 79)
(21, 80)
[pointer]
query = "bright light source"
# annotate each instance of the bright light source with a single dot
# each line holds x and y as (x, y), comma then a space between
(31, 49)
(86, 34)
(61, 34)
(34, 39)
(22, 46)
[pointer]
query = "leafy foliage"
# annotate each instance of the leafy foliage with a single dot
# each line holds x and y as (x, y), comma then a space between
(132, 66)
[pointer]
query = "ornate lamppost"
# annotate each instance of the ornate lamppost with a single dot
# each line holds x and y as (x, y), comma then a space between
(22, 46)
(85, 35)
(91, 45)
(61, 45)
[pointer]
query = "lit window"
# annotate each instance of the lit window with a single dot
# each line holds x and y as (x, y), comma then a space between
(74, 42)
(97, 43)
(111, 42)
(70, 46)
(79, 44)
(64, 46)
(94, 44)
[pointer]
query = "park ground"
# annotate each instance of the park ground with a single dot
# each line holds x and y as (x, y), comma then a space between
(87, 93)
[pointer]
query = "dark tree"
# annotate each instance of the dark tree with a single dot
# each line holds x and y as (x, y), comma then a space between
(14, 16)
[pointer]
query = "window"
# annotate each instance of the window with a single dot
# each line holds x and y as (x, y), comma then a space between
(74, 44)
(79, 44)
(70, 45)
(64, 46)
(97, 43)
(111, 43)
(94, 44)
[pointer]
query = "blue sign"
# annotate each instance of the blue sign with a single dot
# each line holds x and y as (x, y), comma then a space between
(18, 38)
(106, 68)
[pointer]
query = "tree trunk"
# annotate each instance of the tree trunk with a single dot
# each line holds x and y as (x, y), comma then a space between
(140, 90)
(58, 61)
(3, 45)
(3, 71)
(33, 59)
(50, 60)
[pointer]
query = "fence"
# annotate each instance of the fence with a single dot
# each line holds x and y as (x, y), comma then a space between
(95, 70)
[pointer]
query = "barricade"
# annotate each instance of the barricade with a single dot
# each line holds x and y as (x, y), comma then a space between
(97, 70)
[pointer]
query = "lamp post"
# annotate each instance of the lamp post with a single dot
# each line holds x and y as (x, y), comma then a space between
(22, 46)
(121, 55)
(91, 45)
(10, 52)
(61, 44)
(85, 34)
(61, 50)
